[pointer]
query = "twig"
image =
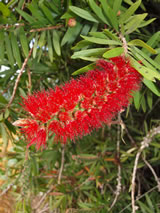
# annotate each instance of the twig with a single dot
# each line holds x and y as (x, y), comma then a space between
(18, 78)
(6, 27)
(144, 144)
(118, 189)
(43, 198)
(46, 28)
(153, 172)
(7, 189)
(62, 165)
(128, 134)
(125, 46)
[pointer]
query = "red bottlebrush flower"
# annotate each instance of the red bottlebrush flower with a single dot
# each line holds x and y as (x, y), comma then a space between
(34, 133)
(76, 108)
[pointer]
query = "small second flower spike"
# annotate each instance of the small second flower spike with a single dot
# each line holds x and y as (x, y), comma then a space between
(77, 108)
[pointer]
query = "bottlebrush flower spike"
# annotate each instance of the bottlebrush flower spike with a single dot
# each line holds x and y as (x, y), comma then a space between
(76, 108)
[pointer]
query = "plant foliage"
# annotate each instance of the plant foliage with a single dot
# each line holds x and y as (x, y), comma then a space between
(39, 50)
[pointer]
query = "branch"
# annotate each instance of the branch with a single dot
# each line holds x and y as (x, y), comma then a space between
(18, 78)
(62, 165)
(144, 144)
(6, 27)
(46, 28)
(153, 172)
(118, 189)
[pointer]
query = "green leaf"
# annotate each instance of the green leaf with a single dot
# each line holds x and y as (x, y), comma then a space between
(81, 44)
(146, 60)
(113, 52)
(22, 92)
(24, 42)
(2, 45)
(4, 134)
(150, 99)
(110, 14)
(140, 43)
(71, 34)
(137, 97)
(56, 42)
(101, 41)
(6, 114)
(134, 23)
(9, 50)
(15, 48)
(37, 13)
(117, 5)
(111, 35)
(152, 86)
(47, 13)
(150, 204)
(4, 10)
(128, 13)
(144, 208)
(83, 13)
(3, 100)
(89, 52)
(98, 11)
(35, 46)
(145, 23)
(50, 49)
(153, 40)
(145, 71)
(98, 35)
(143, 103)
(54, 7)
(89, 58)
(12, 3)
(25, 15)
(42, 39)
(84, 69)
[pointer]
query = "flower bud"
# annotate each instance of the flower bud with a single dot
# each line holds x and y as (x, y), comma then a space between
(72, 22)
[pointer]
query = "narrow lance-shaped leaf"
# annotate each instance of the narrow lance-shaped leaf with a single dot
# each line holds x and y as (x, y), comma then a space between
(98, 11)
(71, 34)
(134, 23)
(83, 13)
(111, 35)
(101, 41)
(152, 87)
(2, 45)
(117, 5)
(42, 39)
(127, 14)
(90, 52)
(35, 46)
(140, 43)
(50, 49)
(110, 14)
(150, 99)
(25, 15)
(137, 96)
(16, 51)
(24, 42)
(146, 60)
(4, 10)
(113, 52)
(56, 42)
(47, 13)
(145, 71)
(9, 50)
